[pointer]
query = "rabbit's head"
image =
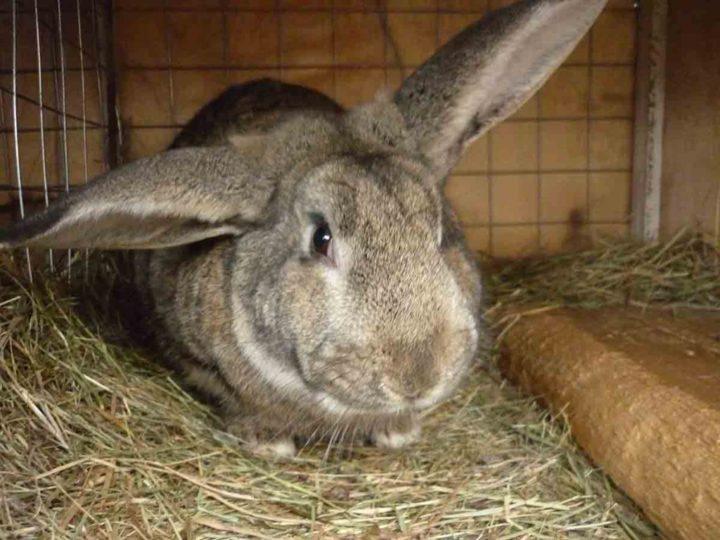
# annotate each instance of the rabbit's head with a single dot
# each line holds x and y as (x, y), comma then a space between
(362, 284)
(348, 280)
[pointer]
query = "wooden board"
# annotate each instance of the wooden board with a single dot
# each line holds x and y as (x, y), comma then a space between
(649, 119)
(642, 394)
(691, 162)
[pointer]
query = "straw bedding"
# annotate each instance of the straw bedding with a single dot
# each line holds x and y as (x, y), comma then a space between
(683, 273)
(97, 441)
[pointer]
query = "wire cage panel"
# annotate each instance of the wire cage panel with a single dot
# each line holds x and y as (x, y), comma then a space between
(53, 101)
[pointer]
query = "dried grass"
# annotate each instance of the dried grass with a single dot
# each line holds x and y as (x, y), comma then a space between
(98, 442)
(683, 273)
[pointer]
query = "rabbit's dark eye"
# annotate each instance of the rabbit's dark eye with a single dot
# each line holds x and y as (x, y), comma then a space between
(322, 238)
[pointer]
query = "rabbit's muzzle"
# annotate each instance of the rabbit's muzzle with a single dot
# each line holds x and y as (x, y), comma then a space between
(395, 377)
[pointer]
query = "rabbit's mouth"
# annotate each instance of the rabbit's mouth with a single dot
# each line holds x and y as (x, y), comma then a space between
(342, 396)
(385, 401)
(336, 398)
(342, 408)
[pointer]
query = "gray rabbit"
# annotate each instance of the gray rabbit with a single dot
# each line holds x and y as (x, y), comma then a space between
(299, 261)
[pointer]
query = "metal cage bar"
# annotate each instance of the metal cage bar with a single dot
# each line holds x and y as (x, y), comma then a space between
(50, 126)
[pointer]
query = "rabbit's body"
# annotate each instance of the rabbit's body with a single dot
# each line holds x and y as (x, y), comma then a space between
(190, 290)
(300, 262)
(256, 106)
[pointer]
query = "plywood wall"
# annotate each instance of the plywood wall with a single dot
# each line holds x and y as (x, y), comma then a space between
(691, 163)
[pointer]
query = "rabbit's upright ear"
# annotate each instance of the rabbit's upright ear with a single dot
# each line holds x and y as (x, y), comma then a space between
(487, 72)
(176, 197)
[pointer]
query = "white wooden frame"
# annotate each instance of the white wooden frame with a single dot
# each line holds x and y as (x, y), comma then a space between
(649, 119)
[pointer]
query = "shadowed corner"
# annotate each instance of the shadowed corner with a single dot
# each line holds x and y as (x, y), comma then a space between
(10, 236)
(6, 237)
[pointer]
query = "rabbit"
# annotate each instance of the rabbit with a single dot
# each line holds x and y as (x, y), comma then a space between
(298, 261)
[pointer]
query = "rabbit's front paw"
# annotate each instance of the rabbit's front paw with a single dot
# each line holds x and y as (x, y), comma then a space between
(279, 448)
(259, 441)
(396, 436)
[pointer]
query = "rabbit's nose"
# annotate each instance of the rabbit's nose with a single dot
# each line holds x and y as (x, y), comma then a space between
(411, 394)
(407, 394)
(413, 374)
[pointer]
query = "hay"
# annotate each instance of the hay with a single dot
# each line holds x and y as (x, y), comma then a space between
(98, 442)
(683, 273)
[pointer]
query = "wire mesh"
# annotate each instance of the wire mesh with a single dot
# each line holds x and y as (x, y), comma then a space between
(175, 56)
(53, 106)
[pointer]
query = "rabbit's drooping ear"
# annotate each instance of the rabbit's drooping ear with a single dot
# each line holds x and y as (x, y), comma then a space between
(176, 197)
(488, 71)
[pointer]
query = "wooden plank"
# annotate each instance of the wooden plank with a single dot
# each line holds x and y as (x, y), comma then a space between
(649, 119)
(691, 141)
(639, 389)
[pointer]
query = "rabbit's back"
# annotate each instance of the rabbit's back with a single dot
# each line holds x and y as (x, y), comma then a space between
(255, 106)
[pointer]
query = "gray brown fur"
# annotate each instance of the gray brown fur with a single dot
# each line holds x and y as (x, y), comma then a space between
(289, 343)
